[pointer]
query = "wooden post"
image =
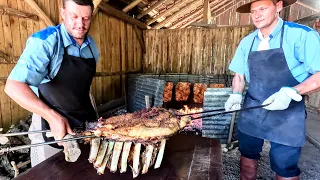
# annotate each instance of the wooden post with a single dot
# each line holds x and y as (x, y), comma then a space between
(147, 99)
(39, 11)
(231, 128)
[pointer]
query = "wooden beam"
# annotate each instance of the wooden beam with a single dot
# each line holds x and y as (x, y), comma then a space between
(121, 15)
(206, 12)
(96, 4)
(168, 19)
(150, 9)
(131, 6)
(202, 24)
(40, 13)
(7, 59)
(198, 14)
(140, 38)
(313, 9)
(286, 13)
(227, 7)
(168, 11)
(14, 12)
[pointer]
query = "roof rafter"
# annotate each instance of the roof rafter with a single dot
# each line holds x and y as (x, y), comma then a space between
(174, 15)
(168, 11)
(224, 8)
(150, 9)
(303, 4)
(197, 14)
(131, 5)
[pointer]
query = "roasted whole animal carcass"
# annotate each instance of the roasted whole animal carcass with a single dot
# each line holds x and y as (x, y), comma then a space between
(182, 91)
(216, 85)
(198, 92)
(167, 94)
(135, 139)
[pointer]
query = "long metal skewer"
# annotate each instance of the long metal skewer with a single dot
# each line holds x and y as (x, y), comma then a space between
(8, 149)
(227, 112)
(24, 133)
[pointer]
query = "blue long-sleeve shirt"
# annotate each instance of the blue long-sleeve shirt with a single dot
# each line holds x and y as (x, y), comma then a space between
(42, 57)
(301, 46)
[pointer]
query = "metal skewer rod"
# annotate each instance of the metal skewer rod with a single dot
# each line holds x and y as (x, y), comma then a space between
(4, 150)
(24, 133)
(227, 112)
(213, 110)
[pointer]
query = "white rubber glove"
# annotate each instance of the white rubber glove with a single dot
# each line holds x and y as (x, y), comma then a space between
(281, 99)
(233, 103)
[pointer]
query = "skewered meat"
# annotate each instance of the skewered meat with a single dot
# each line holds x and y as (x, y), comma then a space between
(182, 91)
(198, 92)
(167, 94)
(122, 138)
(216, 85)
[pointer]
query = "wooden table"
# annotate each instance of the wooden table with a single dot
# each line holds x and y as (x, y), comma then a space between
(186, 157)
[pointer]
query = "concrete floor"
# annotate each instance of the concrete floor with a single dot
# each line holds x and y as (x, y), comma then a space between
(309, 161)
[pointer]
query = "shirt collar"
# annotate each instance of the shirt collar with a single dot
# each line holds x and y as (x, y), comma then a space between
(68, 39)
(274, 32)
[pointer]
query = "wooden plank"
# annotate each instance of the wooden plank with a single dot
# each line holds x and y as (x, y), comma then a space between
(174, 15)
(43, 16)
(123, 40)
(204, 25)
(7, 32)
(121, 15)
(140, 38)
(23, 26)
(167, 12)
(206, 12)
(15, 30)
(131, 5)
(130, 45)
(154, 6)
(14, 12)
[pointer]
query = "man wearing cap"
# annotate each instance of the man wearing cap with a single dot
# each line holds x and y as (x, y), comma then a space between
(281, 63)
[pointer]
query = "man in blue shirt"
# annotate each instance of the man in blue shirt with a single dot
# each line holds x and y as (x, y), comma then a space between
(281, 63)
(53, 76)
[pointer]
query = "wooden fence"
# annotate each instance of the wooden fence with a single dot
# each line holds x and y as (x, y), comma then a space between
(193, 51)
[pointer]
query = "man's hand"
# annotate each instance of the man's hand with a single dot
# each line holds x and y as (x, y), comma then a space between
(281, 99)
(59, 126)
(233, 103)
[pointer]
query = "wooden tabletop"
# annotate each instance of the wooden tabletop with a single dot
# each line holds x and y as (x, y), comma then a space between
(186, 157)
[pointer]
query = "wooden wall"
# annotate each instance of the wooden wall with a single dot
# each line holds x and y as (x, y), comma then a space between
(117, 42)
(232, 18)
(191, 50)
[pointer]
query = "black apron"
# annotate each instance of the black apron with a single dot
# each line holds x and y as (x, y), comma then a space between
(68, 92)
(268, 73)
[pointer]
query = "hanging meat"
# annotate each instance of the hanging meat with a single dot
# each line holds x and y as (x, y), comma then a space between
(182, 91)
(198, 92)
(216, 85)
(121, 139)
(167, 94)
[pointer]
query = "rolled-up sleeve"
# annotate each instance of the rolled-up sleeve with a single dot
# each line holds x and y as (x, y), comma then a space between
(31, 67)
(237, 64)
(309, 52)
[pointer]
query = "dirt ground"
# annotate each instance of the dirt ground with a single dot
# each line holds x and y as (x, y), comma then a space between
(309, 164)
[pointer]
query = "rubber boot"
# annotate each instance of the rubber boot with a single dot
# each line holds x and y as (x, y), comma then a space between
(248, 168)
(283, 178)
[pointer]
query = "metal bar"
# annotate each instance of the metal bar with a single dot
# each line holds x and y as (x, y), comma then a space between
(231, 128)
(203, 112)
(24, 133)
(227, 112)
(5, 150)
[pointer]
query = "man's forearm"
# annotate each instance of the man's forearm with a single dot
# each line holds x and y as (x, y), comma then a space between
(238, 83)
(23, 95)
(310, 85)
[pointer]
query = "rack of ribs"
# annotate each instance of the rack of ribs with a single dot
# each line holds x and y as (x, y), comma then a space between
(135, 139)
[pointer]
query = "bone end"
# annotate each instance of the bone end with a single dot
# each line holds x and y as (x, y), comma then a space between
(160, 154)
